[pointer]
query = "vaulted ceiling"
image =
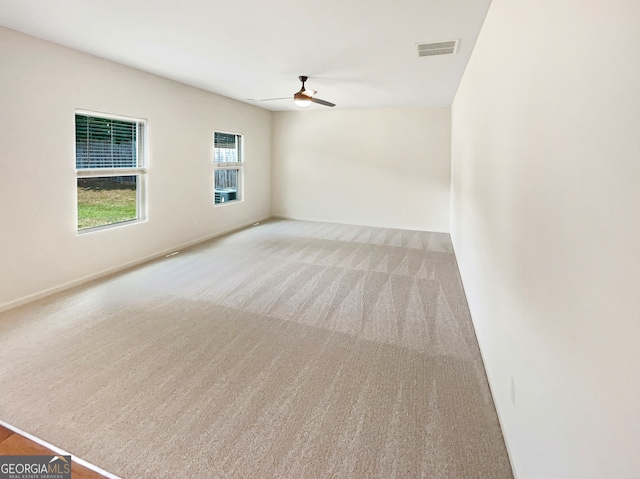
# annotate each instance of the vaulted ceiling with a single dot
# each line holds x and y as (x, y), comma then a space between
(357, 53)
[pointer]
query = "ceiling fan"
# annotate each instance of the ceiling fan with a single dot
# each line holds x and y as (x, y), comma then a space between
(304, 97)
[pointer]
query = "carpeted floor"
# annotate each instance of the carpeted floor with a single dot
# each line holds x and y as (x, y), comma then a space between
(286, 350)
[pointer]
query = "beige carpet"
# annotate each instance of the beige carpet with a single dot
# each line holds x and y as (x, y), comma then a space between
(286, 350)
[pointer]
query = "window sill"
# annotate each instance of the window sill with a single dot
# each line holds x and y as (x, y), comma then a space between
(111, 226)
(225, 203)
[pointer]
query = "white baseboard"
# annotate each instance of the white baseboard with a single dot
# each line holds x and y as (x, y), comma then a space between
(92, 277)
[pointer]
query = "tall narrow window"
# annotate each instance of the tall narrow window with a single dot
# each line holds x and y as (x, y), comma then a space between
(228, 164)
(110, 169)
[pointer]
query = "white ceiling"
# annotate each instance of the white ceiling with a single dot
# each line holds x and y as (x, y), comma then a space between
(357, 53)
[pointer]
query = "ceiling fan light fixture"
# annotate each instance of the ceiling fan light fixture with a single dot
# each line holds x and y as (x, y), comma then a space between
(301, 100)
(304, 97)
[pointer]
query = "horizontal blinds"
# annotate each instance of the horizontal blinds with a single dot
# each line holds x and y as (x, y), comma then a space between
(105, 143)
(227, 147)
(225, 140)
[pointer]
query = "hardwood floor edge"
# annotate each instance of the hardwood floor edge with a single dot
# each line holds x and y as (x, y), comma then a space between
(59, 451)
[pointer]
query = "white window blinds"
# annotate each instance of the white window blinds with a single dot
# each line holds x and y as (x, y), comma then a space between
(106, 143)
(227, 148)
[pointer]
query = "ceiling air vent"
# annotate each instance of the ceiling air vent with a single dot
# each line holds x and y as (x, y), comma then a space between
(437, 48)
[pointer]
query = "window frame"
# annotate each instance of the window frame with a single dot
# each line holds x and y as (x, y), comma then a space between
(140, 171)
(230, 165)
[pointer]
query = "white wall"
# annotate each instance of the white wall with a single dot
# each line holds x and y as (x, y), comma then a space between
(546, 228)
(388, 168)
(41, 85)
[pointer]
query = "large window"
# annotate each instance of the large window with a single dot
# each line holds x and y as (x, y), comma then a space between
(228, 161)
(111, 170)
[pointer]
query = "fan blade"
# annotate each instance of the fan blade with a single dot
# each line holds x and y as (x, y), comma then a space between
(271, 99)
(322, 102)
